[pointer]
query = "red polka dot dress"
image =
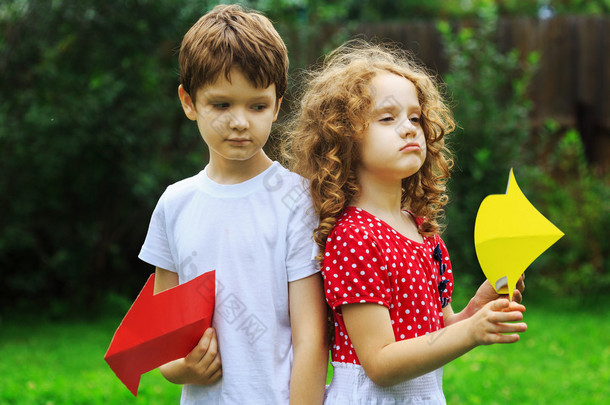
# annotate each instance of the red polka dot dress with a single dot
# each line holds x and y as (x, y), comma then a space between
(367, 261)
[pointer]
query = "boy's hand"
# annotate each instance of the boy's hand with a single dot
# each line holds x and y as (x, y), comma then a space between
(488, 325)
(201, 366)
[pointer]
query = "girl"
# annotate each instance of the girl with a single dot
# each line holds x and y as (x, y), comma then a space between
(369, 136)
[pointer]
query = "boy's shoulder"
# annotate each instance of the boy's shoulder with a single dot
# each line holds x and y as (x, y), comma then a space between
(286, 187)
(278, 177)
(182, 187)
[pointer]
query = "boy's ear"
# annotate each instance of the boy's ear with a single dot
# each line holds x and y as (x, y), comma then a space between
(188, 105)
(277, 108)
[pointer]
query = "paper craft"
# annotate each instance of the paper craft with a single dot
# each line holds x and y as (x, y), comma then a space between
(160, 328)
(509, 234)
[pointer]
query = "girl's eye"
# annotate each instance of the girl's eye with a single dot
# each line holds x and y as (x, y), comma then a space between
(415, 120)
(388, 118)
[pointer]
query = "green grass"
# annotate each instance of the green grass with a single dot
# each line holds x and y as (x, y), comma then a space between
(63, 363)
(563, 358)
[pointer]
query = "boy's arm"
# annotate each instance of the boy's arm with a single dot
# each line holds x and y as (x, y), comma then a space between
(309, 340)
(202, 365)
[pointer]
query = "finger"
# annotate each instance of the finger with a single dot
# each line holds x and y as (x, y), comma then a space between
(201, 348)
(517, 297)
(207, 379)
(212, 352)
(214, 366)
(521, 283)
(517, 327)
(499, 304)
(515, 306)
(215, 376)
(500, 338)
(498, 318)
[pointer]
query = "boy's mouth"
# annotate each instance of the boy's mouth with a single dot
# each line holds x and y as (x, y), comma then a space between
(238, 141)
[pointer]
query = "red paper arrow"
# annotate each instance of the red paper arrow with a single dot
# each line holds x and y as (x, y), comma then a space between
(160, 328)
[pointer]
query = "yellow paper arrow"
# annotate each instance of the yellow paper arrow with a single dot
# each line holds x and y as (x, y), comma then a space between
(509, 234)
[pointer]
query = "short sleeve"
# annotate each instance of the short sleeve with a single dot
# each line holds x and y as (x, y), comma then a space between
(443, 263)
(156, 248)
(301, 250)
(354, 269)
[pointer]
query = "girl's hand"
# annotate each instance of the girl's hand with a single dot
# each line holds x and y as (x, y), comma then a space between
(488, 325)
(486, 293)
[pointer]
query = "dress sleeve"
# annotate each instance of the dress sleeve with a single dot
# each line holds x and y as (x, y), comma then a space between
(354, 269)
(441, 259)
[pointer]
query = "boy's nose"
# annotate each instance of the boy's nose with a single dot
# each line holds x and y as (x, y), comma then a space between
(238, 121)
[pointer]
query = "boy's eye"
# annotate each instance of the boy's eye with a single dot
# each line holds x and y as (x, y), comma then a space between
(220, 106)
(259, 107)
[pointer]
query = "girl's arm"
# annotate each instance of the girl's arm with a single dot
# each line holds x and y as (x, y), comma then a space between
(309, 340)
(388, 362)
(202, 365)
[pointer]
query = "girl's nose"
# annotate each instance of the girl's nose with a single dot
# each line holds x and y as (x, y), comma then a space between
(406, 128)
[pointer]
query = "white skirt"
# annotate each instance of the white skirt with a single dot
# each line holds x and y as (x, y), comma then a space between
(350, 385)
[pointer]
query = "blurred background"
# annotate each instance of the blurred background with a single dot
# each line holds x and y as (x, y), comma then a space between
(91, 129)
(91, 133)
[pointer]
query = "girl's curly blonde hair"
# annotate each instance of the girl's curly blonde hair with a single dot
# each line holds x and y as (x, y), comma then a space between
(323, 138)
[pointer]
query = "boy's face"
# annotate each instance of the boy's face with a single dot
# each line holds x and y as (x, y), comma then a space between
(234, 118)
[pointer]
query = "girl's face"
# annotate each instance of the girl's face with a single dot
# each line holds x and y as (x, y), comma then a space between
(393, 146)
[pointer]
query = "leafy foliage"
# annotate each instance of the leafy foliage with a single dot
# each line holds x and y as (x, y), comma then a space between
(91, 131)
(489, 89)
(571, 192)
(491, 107)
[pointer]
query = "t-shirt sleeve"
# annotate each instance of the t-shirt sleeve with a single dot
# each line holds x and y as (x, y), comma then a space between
(443, 262)
(354, 269)
(301, 250)
(156, 249)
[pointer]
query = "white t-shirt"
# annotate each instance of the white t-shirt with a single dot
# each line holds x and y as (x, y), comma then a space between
(257, 235)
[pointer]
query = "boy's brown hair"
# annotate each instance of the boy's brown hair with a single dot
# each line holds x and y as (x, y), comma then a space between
(230, 37)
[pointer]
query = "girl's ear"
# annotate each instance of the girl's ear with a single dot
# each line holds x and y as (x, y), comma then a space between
(188, 105)
(277, 108)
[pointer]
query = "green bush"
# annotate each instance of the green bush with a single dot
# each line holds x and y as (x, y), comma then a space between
(91, 131)
(491, 107)
(570, 192)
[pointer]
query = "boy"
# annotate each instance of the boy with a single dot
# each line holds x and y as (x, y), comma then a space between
(246, 217)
